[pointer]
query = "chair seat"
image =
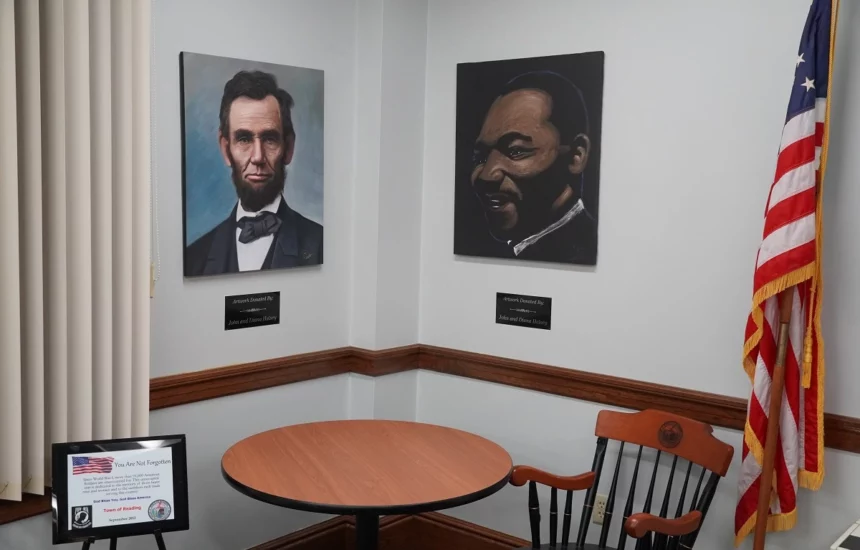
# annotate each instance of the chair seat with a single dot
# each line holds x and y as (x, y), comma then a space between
(571, 546)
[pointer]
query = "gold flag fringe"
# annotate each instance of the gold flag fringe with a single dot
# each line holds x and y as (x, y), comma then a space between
(806, 479)
(769, 290)
(775, 522)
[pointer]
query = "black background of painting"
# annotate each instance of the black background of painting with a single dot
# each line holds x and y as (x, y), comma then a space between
(478, 85)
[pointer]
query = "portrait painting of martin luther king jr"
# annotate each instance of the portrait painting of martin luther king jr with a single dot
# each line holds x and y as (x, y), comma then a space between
(528, 158)
(252, 165)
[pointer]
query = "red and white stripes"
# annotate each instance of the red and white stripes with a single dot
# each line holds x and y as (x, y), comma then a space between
(787, 258)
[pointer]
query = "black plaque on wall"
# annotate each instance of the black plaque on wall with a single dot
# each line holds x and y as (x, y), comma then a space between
(523, 311)
(252, 310)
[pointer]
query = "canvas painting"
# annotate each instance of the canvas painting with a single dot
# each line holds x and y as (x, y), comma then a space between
(252, 174)
(528, 158)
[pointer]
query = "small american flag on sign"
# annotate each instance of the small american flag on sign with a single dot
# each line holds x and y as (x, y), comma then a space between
(91, 465)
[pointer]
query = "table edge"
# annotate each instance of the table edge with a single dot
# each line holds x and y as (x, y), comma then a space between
(346, 509)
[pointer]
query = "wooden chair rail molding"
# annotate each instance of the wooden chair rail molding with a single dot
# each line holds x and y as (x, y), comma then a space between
(841, 432)
(189, 387)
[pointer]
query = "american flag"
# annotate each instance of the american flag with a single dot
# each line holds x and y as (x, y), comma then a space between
(790, 258)
(92, 465)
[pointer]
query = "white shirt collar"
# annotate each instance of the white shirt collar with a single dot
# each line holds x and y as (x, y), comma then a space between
(558, 224)
(271, 207)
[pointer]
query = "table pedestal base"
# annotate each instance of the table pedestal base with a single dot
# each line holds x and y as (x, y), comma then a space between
(366, 531)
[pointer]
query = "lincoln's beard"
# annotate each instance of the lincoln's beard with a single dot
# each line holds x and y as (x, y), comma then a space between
(255, 196)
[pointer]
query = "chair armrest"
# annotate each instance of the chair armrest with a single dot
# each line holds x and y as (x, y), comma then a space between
(638, 525)
(522, 474)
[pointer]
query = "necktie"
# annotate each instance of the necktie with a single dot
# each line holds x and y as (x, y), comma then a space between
(255, 227)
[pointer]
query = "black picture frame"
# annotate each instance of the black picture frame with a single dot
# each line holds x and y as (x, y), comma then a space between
(60, 501)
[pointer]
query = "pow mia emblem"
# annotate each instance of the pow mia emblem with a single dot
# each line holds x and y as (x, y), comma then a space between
(670, 434)
(82, 517)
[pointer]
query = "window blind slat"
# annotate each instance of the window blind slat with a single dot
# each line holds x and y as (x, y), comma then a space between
(54, 218)
(122, 208)
(79, 219)
(102, 220)
(30, 223)
(10, 332)
(141, 21)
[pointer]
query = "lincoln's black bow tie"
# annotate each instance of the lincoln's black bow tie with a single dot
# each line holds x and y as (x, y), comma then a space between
(255, 227)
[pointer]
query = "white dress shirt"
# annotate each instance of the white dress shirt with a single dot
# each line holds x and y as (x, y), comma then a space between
(577, 209)
(252, 255)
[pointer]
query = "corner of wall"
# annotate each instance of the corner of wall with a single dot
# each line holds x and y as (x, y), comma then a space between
(395, 396)
(360, 396)
(389, 132)
(366, 163)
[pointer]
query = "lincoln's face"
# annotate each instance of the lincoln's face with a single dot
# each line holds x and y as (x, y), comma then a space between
(522, 171)
(256, 150)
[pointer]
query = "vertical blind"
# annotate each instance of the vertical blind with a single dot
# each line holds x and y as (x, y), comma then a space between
(74, 229)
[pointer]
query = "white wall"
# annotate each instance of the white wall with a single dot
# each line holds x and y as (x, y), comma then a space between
(402, 148)
(390, 397)
(396, 396)
(694, 101)
(188, 314)
(389, 132)
(365, 192)
(841, 314)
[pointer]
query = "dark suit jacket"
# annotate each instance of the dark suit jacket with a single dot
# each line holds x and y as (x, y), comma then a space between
(573, 243)
(299, 241)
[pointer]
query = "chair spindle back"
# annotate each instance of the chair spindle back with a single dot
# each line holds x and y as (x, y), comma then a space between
(668, 434)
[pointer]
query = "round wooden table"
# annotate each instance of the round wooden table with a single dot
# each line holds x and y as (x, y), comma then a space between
(367, 468)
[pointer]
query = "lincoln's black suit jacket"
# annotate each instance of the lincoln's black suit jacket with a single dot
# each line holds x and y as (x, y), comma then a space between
(299, 241)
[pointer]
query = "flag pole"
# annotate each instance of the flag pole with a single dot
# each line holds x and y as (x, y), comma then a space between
(776, 391)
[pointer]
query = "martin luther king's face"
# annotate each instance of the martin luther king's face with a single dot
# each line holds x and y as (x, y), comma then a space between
(256, 150)
(522, 173)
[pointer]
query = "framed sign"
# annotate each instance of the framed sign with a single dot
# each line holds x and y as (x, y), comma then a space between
(119, 488)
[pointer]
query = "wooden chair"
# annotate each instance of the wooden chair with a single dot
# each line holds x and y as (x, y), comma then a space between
(667, 434)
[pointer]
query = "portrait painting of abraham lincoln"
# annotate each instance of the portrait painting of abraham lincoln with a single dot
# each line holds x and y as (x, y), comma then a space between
(252, 165)
(528, 158)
